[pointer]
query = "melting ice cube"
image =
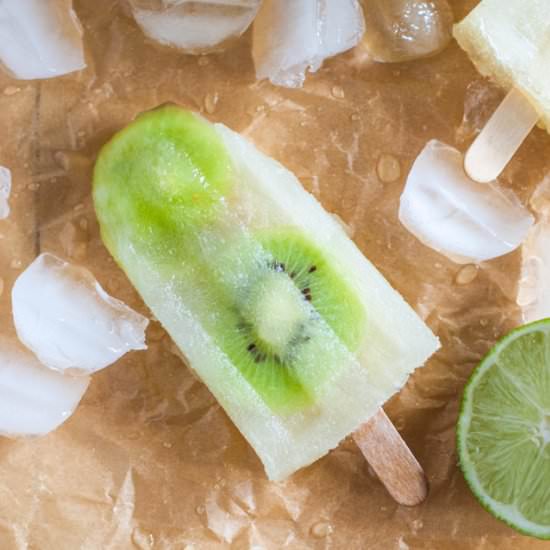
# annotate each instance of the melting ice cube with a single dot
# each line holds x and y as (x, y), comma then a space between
(534, 288)
(194, 26)
(34, 400)
(5, 189)
(292, 36)
(400, 30)
(63, 315)
(40, 38)
(460, 218)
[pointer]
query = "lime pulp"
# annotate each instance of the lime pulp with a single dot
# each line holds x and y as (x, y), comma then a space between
(503, 434)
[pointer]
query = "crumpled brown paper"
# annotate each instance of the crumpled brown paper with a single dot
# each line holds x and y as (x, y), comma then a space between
(150, 461)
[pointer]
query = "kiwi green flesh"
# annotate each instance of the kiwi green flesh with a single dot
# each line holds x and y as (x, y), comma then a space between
(326, 290)
(158, 181)
(276, 312)
(289, 367)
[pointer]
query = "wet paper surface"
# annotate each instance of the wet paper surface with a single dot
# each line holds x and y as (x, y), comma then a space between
(149, 460)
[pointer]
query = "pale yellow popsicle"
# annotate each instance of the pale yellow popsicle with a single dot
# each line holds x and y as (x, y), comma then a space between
(509, 41)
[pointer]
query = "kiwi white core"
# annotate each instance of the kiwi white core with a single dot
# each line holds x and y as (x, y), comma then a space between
(278, 310)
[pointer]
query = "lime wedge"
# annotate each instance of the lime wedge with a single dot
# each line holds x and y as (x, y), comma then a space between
(503, 434)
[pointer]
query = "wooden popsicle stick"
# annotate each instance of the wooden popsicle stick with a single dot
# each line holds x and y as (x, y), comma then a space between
(502, 136)
(392, 460)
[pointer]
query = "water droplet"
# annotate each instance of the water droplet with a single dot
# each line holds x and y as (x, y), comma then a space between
(11, 90)
(210, 102)
(33, 186)
(355, 116)
(338, 92)
(199, 509)
(80, 251)
(83, 223)
(466, 275)
(15, 264)
(167, 445)
(143, 541)
(388, 168)
(321, 529)
(483, 322)
(417, 524)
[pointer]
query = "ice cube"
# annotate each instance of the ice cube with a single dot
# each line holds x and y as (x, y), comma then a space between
(63, 315)
(195, 26)
(401, 30)
(5, 189)
(292, 36)
(533, 289)
(163, 4)
(40, 38)
(460, 218)
(34, 400)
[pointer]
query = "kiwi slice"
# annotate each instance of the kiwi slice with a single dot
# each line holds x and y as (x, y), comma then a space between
(319, 283)
(294, 310)
(271, 301)
(162, 178)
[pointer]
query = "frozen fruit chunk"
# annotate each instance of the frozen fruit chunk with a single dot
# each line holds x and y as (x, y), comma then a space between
(292, 36)
(40, 39)
(401, 30)
(34, 400)
(63, 315)
(195, 26)
(465, 220)
(508, 41)
(294, 331)
(5, 189)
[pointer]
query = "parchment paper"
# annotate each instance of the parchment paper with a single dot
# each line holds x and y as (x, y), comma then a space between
(149, 460)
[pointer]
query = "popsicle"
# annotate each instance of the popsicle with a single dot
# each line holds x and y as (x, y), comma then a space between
(294, 331)
(510, 43)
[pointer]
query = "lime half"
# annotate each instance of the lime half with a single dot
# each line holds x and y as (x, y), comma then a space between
(503, 431)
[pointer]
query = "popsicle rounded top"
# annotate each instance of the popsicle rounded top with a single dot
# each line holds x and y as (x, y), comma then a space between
(191, 170)
(509, 42)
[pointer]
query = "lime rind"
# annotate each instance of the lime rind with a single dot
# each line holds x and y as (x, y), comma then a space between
(508, 513)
